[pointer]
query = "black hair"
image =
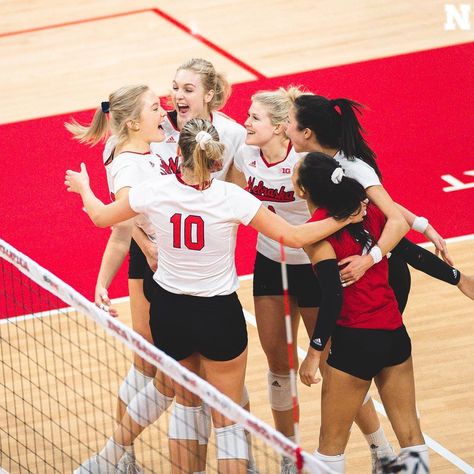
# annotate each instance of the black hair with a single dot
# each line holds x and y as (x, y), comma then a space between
(341, 200)
(335, 128)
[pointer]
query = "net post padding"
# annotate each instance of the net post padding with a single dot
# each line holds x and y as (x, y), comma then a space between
(166, 364)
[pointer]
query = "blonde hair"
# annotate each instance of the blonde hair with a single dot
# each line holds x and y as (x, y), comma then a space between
(211, 80)
(278, 102)
(124, 104)
(201, 162)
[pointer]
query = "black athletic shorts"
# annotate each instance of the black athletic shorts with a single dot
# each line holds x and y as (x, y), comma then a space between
(137, 264)
(363, 353)
(212, 326)
(302, 282)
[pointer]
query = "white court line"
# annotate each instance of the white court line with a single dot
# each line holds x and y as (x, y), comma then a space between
(434, 445)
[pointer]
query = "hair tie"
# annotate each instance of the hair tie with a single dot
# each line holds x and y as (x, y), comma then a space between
(203, 138)
(105, 106)
(337, 175)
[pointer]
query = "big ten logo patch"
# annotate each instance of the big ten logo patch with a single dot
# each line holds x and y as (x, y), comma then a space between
(285, 170)
(457, 16)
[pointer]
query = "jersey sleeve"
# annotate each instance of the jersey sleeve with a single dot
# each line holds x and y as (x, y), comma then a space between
(244, 206)
(141, 196)
(125, 173)
(362, 172)
(239, 158)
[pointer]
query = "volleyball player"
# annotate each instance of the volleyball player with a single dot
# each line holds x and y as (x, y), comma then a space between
(198, 322)
(197, 90)
(368, 338)
(267, 160)
(332, 127)
(134, 116)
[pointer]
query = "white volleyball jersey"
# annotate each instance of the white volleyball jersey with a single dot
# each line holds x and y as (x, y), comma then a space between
(127, 170)
(271, 183)
(231, 134)
(196, 232)
(359, 170)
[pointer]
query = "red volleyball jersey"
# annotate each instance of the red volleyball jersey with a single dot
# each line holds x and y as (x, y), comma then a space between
(370, 302)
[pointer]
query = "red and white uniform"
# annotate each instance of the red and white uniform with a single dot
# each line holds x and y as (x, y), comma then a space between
(271, 183)
(196, 232)
(127, 170)
(369, 302)
(231, 134)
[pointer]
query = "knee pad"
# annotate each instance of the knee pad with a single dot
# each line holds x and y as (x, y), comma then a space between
(279, 392)
(148, 405)
(133, 382)
(183, 423)
(232, 442)
(245, 397)
(204, 424)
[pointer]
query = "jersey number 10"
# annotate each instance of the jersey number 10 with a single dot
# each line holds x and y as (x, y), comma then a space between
(193, 231)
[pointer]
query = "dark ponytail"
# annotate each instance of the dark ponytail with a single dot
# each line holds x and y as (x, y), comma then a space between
(340, 199)
(335, 124)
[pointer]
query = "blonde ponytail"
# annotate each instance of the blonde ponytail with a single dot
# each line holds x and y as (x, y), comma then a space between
(201, 149)
(124, 104)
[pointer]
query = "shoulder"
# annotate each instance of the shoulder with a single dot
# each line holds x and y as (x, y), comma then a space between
(354, 164)
(226, 127)
(319, 215)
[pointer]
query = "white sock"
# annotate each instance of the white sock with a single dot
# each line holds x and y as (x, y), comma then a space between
(335, 463)
(112, 451)
(378, 442)
(421, 462)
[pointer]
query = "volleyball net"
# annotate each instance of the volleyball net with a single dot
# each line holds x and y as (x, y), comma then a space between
(62, 366)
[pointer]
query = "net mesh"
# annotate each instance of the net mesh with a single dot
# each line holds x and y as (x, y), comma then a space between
(61, 371)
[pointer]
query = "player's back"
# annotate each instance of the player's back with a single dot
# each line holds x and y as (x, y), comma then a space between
(196, 232)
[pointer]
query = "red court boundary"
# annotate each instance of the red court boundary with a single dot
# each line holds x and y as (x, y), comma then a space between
(158, 12)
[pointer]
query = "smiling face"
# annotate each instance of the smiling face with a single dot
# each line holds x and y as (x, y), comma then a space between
(260, 129)
(189, 96)
(151, 118)
(297, 136)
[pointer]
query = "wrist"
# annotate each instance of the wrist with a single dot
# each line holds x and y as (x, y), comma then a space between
(376, 254)
(420, 224)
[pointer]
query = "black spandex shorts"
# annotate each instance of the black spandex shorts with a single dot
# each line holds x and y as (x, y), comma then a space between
(363, 353)
(182, 325)
(137, 265)
(302, 282)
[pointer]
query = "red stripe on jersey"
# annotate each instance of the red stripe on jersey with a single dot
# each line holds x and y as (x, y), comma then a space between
(269, 165)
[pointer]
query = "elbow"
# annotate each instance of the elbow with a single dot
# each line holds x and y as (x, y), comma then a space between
(403, 226)
(99, 221)
(292, 241)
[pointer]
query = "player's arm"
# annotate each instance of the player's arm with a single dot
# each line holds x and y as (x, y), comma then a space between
(114, 254)
(101, 215)
(420, 224)
(149, 249)
(323, 259)
(297, 236)
(235, 176)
